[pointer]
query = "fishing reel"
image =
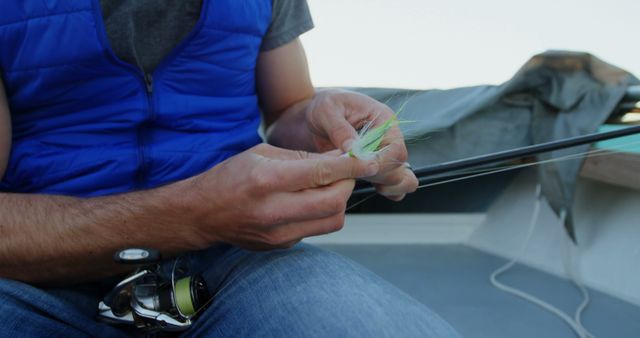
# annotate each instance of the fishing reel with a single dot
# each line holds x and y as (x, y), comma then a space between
(151, 301)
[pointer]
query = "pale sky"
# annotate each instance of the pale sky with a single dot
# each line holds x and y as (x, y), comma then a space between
(451, 43)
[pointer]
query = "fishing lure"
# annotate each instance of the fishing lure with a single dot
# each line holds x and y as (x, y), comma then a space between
(367, 145)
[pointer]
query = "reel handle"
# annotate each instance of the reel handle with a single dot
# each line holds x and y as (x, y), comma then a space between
(137, 256)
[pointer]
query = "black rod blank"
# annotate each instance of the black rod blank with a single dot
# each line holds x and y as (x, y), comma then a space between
(426, 172)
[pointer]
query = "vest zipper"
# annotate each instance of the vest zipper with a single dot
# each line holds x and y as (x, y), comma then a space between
(143, 132)
(148, 80)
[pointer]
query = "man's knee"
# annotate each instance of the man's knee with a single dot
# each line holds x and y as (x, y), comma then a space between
(306, 291)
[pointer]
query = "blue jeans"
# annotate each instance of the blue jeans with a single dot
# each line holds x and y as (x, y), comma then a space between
(300, 292)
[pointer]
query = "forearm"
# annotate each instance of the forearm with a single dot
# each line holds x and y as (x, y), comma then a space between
(285, 91)
(54, 239)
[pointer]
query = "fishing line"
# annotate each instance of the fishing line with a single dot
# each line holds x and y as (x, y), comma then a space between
(173, 285)
(589, 154)
(475, 173)
(574, 276)
(574, 323)
(493, 170)
(575, 326)
(524, 165)
(370, 196)
(374, 138)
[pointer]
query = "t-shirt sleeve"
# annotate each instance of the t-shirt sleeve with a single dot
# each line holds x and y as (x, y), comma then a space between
(290, 19)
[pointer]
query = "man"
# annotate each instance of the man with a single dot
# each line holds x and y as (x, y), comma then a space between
(134, 124)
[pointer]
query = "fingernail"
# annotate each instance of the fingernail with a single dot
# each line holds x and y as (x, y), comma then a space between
(372, 169)
(346, 146)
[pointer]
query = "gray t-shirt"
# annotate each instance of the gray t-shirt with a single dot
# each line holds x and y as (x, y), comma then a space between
(143, 32)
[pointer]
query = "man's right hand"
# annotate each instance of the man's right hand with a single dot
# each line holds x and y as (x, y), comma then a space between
(268, 197)
(263, 198)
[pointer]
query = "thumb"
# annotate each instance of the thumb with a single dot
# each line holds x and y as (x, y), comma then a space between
(319, 172)
(341, 133)
(330, 170)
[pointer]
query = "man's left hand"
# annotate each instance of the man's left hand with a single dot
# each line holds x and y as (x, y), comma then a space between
(301, 118)
(332, 118)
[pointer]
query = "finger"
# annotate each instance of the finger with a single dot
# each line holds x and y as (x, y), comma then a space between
(395, 152)
(389, 178)
(271, 152)
(362, 107)
(396, 198)
(291, 244)
(393, 175)
(316, 172)
(333, 153)
(285, 234)
(340, 132)
(402, 181)
(340, 120)
(262, 246)
(310, 204)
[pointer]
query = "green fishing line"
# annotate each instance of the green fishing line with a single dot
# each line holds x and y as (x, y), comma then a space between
(183, 297)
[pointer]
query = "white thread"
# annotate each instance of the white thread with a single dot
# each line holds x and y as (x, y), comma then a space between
(496, 170)
(574, 277)
(576, 326)
(592, 153)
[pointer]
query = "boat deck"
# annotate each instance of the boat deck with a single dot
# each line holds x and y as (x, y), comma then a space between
(453, 280)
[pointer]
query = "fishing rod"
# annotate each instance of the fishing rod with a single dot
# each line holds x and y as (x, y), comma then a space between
(176, 302)
(426, 174)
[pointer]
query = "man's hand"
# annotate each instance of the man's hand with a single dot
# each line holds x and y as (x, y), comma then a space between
(329, 121)
(299, 118)
(269, 197)
(263, 198)
(332, 119)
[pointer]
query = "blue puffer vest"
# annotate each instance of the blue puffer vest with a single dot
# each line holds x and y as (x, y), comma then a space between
(87, 124)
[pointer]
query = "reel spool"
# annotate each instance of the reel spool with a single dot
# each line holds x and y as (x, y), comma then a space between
(150, 301)
(190, 294)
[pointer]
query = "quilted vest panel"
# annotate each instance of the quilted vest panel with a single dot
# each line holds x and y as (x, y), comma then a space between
(87, 124)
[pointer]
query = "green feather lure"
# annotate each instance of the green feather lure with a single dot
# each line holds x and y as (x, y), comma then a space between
(367, 145)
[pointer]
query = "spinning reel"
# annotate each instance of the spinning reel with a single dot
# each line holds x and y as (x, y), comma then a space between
(150, 301)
